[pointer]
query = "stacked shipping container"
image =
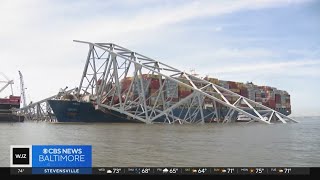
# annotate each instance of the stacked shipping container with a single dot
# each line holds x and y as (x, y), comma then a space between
(268, 96)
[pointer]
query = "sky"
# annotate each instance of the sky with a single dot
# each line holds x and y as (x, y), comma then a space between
(267, 42)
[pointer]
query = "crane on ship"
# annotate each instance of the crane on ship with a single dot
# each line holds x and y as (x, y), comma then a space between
(23, 94)
(7, 82)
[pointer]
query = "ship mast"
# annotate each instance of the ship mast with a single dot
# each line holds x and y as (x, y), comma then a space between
(23, 94)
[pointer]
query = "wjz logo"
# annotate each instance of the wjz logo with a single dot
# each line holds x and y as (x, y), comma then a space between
(20, 156)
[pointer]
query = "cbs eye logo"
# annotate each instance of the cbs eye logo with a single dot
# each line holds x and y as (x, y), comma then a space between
(20, 156)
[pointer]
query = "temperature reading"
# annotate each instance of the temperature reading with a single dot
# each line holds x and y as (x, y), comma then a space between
(259, 170)
(116, 170)
(20, 170)
(287, 170)
(145, 170)
(203, 170)
(173, 170)
(230, 170)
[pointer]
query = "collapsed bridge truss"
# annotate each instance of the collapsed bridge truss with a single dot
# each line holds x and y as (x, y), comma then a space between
(109, 65)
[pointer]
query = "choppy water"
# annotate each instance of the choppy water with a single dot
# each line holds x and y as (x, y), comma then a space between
(178, 145)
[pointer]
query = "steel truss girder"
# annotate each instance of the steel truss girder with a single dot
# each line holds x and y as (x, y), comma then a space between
(108, 64)
(41, 110)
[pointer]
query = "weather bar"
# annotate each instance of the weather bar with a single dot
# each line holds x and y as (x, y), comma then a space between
(167, 170)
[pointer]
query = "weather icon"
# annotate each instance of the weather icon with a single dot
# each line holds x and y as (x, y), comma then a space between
(109, 171)
(165, 170)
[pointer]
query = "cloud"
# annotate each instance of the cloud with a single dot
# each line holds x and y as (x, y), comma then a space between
(217, 29)
(266, 67)
(239, 54)
(36, 36)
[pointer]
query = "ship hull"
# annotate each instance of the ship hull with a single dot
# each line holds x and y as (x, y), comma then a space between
(11, 118)
(73, 111)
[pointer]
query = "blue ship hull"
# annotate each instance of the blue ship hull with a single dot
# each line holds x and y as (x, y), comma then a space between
(73, 111)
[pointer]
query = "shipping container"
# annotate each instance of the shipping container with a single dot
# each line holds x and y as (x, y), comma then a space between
(171, 88)
(258, 93)
(183, 87)
(283, 99)
(271, 95)
(224, 84)
(241, 85)
(137, 86)
(235, 91)
(155, 84)
(232, 85)
(125, 84)
(258, 99)
(154, 92)
(244, 92)
(288, 105)
(173, 99)
(183, 94)
(278, 98)
(153, 101)
(214, 81)
(149, 76)
(266, 88)
(265, 104)
(272, 104)
(251, 97)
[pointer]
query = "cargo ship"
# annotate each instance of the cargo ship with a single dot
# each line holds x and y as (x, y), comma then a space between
(71, 110)
(6, 109)
(8, 103)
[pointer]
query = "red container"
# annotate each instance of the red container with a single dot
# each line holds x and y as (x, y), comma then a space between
(183, 94)
(4, 101)
(175, 99)
(115, 99)
(154, 84)
(125, 84)
(278, 98)
(232, 85)
(272, 103)
(244, 92)
(14, 97)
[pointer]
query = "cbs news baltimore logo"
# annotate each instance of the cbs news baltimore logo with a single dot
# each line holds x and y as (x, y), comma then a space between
(42, 157)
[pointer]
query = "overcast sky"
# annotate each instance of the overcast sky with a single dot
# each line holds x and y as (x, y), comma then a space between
(268, 42)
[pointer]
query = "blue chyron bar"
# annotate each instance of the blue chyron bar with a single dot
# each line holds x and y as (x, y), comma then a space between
(194, 171)
(61, 159)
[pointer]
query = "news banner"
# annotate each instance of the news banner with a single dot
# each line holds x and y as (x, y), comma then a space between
(77, 159)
